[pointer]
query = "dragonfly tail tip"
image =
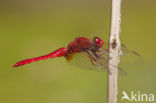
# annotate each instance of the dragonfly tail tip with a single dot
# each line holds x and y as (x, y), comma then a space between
(15, 65)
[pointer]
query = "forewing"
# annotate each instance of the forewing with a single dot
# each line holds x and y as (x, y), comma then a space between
(128, 57)
(81, 60)
(103, 60)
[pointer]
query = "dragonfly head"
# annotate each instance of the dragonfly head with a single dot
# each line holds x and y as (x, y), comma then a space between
(97, 43)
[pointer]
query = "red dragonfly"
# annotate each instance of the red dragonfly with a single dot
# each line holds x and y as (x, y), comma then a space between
(83, 46)
(80, 44)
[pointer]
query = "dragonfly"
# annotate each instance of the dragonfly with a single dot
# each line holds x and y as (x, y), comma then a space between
(94, 51)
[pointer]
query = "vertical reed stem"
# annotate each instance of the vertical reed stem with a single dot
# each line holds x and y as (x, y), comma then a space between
(114, 51)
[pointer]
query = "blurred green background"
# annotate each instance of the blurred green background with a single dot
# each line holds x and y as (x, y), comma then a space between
(30, 28)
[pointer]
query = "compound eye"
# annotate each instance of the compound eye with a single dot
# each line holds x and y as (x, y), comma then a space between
(98, 42)
(101, 44)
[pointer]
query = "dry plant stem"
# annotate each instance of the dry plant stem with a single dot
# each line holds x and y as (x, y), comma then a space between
(114, 51)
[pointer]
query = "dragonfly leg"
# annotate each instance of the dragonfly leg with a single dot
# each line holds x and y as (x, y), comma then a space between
(91, 56)
(100, 53)
(92, 59)
(94, 53)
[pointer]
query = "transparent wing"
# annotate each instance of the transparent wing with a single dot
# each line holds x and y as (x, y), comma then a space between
(103, 61)
(82, 60)
(129, 58)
